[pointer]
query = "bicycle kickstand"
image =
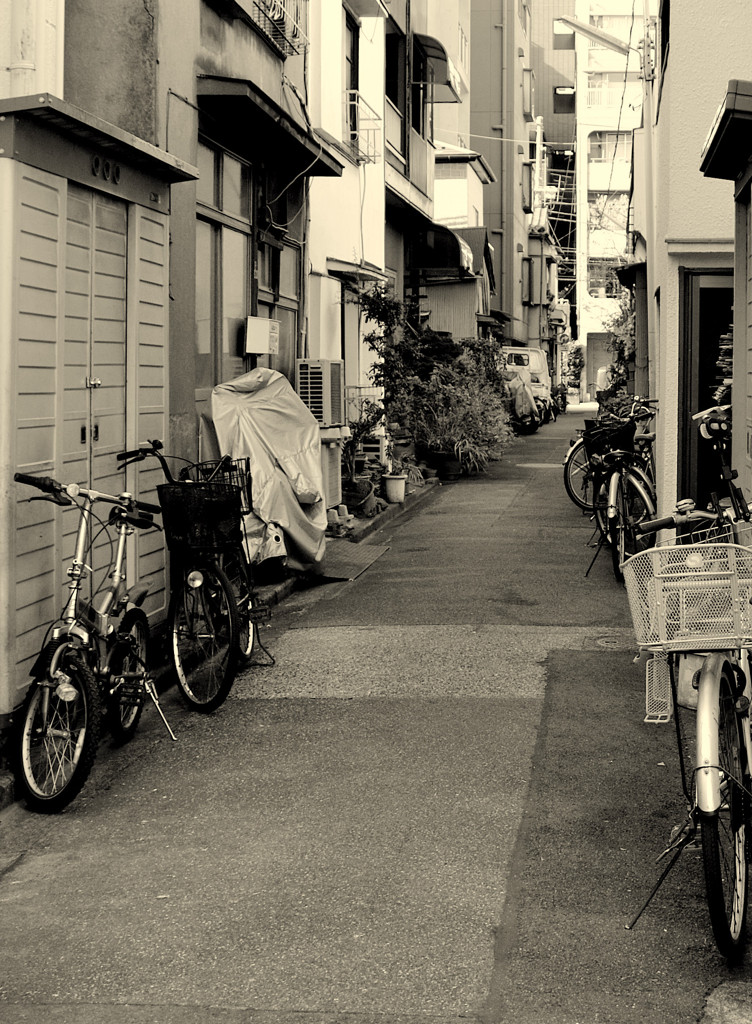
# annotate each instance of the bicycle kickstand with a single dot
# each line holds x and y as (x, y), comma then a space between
(601, 542)
(685, 835)
(152, 691)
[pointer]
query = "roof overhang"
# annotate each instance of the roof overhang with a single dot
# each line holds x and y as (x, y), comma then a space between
(447, 84)
(729, 147)
(363, 272)
(244, 110)
(112, 142)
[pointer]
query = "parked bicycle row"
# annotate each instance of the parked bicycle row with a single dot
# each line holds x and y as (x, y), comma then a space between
(609, 473)
(688, 578)
(92, 673)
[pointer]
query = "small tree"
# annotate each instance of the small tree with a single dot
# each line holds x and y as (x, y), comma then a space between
(575, 366)
(621, 343)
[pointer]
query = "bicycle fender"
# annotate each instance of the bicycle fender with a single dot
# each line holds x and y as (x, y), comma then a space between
(706, 770)
(613, 485)
(136, 594)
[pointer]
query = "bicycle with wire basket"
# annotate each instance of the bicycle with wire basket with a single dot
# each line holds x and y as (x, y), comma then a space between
(690, 605)
(214, 611)
(619, 470)
(91, 673)
(579, 474)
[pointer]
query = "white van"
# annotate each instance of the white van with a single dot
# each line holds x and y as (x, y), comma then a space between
(532, 359)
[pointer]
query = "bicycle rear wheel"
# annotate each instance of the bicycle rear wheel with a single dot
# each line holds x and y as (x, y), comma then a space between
(578, 476)
(724, 835)
(60, 732)
(128, 655)
(203, 629)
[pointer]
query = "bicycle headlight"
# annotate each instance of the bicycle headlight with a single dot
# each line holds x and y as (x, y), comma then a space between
(195, 579)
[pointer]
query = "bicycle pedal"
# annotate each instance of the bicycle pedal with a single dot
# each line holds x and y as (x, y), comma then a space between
(260, 613)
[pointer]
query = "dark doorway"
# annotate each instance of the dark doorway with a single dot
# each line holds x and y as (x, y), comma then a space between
(706, 316)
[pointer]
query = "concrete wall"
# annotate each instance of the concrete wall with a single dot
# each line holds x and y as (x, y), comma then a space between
(111, 62)
(693, 215)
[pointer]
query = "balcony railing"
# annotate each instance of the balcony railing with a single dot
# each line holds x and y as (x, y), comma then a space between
(283, 21)
(363, 128)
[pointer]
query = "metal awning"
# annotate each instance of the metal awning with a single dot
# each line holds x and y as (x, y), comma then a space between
(447, 84)
(248, 114)
(112, 142)
(363, 271)
(728, 147)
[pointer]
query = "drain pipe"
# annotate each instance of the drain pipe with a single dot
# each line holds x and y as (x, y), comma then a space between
(36, 47)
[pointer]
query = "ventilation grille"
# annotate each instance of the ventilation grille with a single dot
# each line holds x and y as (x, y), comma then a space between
(320, 387)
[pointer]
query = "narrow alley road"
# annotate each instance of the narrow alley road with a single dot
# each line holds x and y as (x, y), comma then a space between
(440, 804)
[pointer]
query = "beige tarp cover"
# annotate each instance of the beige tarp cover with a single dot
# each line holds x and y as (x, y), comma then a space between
(259, 416)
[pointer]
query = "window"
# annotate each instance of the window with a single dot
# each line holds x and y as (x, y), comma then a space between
(564, 99)
(223, 264)
(279, 299)
(614, 89)
(351, 70)
(604, 147)
(421, 99)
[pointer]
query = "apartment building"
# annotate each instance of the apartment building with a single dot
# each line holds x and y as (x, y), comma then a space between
(195, 190)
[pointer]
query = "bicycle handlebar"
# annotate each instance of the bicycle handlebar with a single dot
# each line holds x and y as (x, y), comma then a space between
(55, 490)
(675, 519)
(63, 494)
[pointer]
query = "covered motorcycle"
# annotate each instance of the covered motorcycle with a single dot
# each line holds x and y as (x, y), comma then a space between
(524, 407)
(259, 416)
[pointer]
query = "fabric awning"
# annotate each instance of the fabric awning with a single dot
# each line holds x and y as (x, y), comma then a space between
(245, 111)
(446, 76)
(438, 247)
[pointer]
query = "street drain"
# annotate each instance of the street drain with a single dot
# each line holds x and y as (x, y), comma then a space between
(614, 642)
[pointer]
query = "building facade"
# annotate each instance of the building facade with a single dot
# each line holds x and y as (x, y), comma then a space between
(172, 180)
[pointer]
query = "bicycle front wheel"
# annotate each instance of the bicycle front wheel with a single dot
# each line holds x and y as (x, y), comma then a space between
(203, 628)
(238, 572)
(60, 732)
(724, 835)
(578, 477)
(632, 505)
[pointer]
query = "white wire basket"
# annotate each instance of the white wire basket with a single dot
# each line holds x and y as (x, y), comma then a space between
(685, 597)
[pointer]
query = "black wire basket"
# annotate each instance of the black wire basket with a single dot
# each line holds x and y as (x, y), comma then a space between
(608, 438)
(200, 516)
(236, 472)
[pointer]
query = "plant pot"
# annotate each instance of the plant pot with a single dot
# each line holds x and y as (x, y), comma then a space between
(449, 469)
(394, 487)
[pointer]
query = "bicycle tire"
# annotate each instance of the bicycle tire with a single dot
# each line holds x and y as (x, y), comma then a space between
(578, 477)
(128, 655)
(203, 631)
(60, 731)
(725, 833)
(238, 571)
(632, 505)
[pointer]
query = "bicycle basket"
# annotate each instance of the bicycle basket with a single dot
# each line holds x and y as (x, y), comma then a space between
(607, 438)
(690, 597)
(200, 516)
(236, 472)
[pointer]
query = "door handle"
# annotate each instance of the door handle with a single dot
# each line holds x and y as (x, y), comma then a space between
(95, 432)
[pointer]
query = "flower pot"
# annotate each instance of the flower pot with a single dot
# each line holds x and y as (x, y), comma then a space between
(450, 469)
(394, 487)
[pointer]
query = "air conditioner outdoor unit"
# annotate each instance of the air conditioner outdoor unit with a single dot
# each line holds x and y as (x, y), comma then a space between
(320, 385)
(331, 469)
